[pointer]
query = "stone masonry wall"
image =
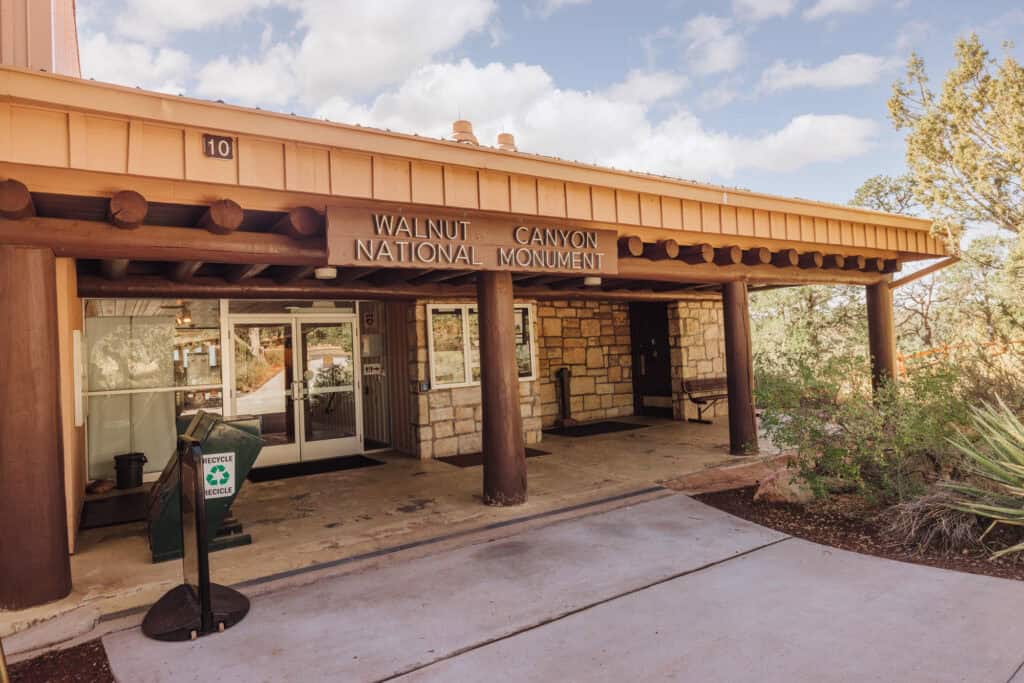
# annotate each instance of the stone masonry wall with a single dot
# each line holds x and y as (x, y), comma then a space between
(697, 342)
(449, 420)
(592, 339)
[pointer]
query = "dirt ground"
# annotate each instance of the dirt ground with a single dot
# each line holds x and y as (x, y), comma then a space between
(86, 663)
(839, 524)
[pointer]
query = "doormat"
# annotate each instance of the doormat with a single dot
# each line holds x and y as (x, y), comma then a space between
(103, 512)
(595, 428)
(302, 469)
(474, 459)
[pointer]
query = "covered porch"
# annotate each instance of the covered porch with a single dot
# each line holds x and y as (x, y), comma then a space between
(331, 522)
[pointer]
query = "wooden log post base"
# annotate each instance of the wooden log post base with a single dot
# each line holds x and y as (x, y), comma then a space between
(854, 263)
(836, 261)
(300, 223)
(128, 209)
(739, 368)
(697, 254)
(34, 563)
(786, 258)
(15, 200)
(661, 250)
(757, 256)
(881, 334)
(223, 217)
(631, 246)
(812, 259)
(728, 256)
(503, 445)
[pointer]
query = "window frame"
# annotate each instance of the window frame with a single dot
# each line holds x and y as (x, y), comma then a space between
(467, 367)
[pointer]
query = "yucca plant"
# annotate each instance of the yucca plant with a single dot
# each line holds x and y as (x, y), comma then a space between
(996, 458)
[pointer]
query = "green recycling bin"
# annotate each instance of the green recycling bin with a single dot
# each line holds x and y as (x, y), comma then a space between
(230, 446)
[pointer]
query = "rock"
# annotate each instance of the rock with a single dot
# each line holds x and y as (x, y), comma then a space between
(782, 487)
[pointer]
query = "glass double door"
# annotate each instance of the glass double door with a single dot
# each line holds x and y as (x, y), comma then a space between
(300, 375)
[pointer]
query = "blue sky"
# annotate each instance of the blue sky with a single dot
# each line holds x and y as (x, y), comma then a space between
(779, 96)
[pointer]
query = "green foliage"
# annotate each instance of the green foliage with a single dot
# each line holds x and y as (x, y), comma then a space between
(965, 142)
(887, 193)
(996, 463)
(886, 444)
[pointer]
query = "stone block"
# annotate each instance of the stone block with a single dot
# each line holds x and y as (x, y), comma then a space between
(470, 443)
(590, 327)
(422, 409)
(581, 386)
(443, 428)
(445, 447)
(464, 427)
(440, 398)
(465, 396)
(439, 414)
(551, 327)
(464, 413)
(577, 356)
(595, 357)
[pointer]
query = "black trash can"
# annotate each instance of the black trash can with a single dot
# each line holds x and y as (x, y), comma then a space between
(129, 470)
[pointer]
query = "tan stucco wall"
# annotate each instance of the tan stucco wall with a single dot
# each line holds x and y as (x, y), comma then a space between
(69, 319)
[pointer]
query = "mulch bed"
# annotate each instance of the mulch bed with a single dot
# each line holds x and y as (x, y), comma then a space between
(86, 663)
(842, 523)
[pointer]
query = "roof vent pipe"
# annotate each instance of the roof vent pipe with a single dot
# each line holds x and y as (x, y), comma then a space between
(462, 131)
(507, 142)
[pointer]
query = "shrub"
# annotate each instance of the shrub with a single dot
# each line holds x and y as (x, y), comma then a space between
(886, 444)
(932, 522)
(996, 462)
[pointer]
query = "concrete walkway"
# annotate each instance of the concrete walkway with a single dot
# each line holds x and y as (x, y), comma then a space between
(664, 590)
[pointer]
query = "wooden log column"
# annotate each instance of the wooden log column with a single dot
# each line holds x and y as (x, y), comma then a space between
(503, 445)
(34, 563)
(739, 368)
(881, 333)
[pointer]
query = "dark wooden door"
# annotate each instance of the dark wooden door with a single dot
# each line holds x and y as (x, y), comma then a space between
(652, 363)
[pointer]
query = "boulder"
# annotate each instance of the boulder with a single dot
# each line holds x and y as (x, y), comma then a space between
(781, 486)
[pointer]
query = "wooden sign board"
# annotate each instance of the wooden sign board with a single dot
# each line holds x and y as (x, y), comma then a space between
(391, 238)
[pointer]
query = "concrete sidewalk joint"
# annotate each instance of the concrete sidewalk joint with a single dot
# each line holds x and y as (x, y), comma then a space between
(584, 608)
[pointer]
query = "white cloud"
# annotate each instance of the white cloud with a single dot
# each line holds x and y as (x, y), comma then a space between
(711, 45)
(353, 45)
(611, 127)
(269, 80)
(759, 10)
(151, 21)
(846, 71)
(912, 34)
(826, 8)
(345, 45)
(718, 96)
(133, 64)
(545, 8)
(647, 87)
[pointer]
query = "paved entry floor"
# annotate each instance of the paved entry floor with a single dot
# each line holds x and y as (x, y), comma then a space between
(663, 590)
(305, 522)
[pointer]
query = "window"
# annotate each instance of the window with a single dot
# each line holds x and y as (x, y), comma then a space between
(454, 344)
(148, 361)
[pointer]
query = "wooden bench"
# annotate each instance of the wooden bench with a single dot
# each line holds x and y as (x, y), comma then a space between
(705, 393)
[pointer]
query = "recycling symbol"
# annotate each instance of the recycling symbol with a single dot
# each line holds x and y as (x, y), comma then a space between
(212, 475)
